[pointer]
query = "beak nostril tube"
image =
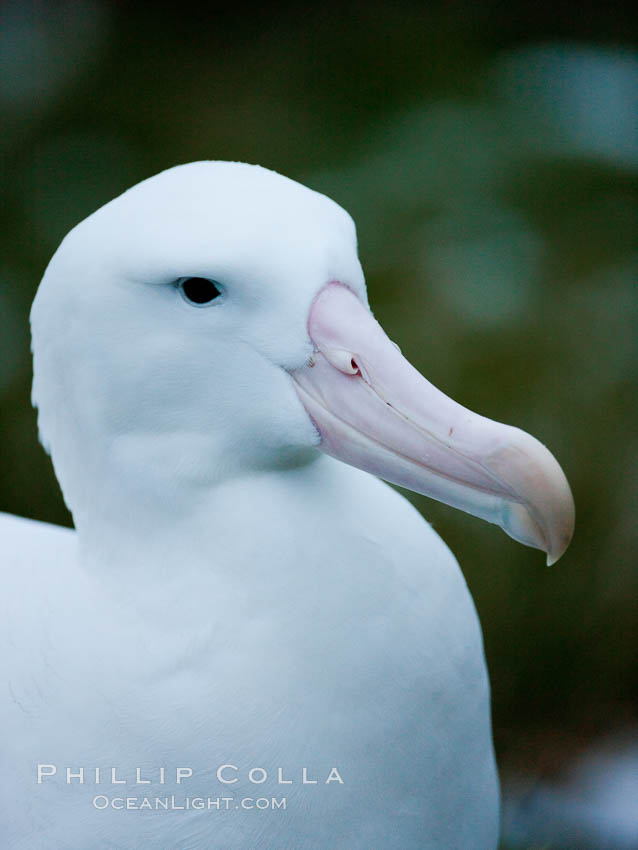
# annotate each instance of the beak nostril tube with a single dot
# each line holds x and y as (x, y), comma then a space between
(342, 360)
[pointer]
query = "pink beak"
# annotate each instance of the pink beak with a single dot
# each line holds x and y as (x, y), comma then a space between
(374, 411)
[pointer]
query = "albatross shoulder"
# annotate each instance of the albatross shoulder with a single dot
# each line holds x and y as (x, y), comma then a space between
(30, 548)
(24, 538)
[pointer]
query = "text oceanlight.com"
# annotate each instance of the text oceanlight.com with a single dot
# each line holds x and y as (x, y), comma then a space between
(171, 803)
(229, 776)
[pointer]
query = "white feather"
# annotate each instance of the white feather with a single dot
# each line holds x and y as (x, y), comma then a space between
(231, 595)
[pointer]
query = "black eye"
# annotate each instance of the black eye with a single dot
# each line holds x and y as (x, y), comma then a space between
(199, 290)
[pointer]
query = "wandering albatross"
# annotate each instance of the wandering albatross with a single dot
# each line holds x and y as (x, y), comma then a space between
(244, 614)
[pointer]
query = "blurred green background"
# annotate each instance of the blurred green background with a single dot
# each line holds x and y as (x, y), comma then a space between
(488, 153)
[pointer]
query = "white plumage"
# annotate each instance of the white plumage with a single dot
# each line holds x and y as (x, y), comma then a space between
(232, 595)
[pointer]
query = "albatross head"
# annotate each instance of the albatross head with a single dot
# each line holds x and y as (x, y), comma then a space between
(212, 321)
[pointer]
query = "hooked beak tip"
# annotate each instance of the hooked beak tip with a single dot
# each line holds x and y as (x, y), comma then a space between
(542, 513)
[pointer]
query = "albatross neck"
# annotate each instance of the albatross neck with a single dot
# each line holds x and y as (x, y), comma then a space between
(143, 525)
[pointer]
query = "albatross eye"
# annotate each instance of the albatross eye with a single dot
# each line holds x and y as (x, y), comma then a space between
(198, 290)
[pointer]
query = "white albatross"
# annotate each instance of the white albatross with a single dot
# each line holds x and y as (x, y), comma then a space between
(240, 617)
